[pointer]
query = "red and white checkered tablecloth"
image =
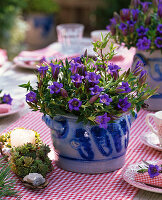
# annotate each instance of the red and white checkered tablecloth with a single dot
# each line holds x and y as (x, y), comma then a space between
(65, 185)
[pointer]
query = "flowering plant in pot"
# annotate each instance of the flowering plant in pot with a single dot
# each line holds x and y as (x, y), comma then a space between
(140, 26)
(87, 103)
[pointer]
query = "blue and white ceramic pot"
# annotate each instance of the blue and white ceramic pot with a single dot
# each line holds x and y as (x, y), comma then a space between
(153, 65)
(89, 149)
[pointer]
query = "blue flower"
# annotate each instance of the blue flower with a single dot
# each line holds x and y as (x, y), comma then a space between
(143, 44)
(159, 28)
(77, 80)
(55, 70)
(105, 99)
(96, 90)
(7, 99)
(31, 97)
(124, 28)
(123, 104)
(158, 42)
(135, 13)
(124, 88)
(125, 14)
(114, 70)
(142, 31)
(42, 70)
(74, 104)
(102, 120)
(153, 170)
(55, 88)
(93, 78)
(145, 6)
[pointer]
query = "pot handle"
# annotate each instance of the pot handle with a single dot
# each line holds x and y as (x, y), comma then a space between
(149, 124)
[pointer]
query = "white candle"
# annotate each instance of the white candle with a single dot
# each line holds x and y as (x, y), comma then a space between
(21, 136)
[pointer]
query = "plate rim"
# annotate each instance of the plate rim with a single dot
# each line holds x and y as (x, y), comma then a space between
(139, 185)
(21, 105)
(147, 143)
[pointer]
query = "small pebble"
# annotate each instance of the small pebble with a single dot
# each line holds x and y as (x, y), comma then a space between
(34, 178)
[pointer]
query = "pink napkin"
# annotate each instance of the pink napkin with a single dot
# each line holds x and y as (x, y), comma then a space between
(3, 56)
(5, 108)
(145, 178)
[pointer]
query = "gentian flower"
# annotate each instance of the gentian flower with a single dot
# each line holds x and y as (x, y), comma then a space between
(42, 60)
(31, 97)
(77, 60)
(135, 13)
(93, 77)
(125, 14)
(105, 99)
(123, 27)
(143, 77)
(159, 28)
(123, 104)
(113, 21)
(74, 67)
(145, 6)
(160, 10)
(158, 42)
(131, 25)
(55, 88)
(153, 170)
(102, 120)
(112, 29)
(138, 68)
(55, 70)
(64, 93)
(42, 70)
(143, 44)
(142, 31)
(7, 99)
(135, 3)
(77, 80)
(124, 88)
(74, 104)
(96, 90)
(114, 71)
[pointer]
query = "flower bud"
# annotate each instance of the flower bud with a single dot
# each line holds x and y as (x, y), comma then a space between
(160, 10)
(113, 30)
(155, 3)
(135, 3)
(116, 17)
(64, 93)
(94, 98)
(143, 77)
(125, 14)
(148, 20)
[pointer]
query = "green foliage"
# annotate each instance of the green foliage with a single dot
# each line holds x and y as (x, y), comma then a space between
(54, 104)
(30, 158)
(7, 183)
(41, 6)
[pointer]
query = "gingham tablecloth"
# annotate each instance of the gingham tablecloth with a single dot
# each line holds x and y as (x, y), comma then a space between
(65, 185)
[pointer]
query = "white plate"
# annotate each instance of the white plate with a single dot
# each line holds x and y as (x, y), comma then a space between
(151, 140)
(129, 174)
(16, 106)
(19, 62)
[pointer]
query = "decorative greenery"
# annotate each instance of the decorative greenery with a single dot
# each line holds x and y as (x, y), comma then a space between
(5, 139)
(30, 158)
(43, 6)
(7, 183)
(94, 90)
(139, 26)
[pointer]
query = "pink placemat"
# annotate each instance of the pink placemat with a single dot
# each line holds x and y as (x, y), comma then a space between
(65, 185)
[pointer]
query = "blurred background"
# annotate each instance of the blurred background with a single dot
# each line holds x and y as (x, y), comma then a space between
(31, 24)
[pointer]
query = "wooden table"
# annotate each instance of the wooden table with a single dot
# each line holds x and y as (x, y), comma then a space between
(14, 76)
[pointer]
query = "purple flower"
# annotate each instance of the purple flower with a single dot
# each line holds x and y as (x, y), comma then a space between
(138, 68)
(158, 42)
(143, 77)
(108, 27)
(55, 70)
(145, 6)
(125, 14)
(113, 21)
(7, 99)
(42, 60)
(135, 3)
(42, 70)
(124, 88)
(31, 97)
(159, 28)
(93, 77)
(131, 25)
(143, 44)
(105, 99)
(77, 60)
(135, 13)
(55, 88)
(102, 120)
(123, 104)
(142, 31)
(114, 70)
(153, 170)
(123, 27)
(77, 80)
(113, 30)
(74, 67)
(74, 104)
(96, 90)
(160, 10)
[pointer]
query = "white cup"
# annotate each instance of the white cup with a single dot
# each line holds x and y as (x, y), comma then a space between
(69, 36)
(158, 122)
(96, 36)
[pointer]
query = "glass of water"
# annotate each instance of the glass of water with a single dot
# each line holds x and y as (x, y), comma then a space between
(70, 36)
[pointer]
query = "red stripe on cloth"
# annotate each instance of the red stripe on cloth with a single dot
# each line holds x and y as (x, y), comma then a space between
(72, 186)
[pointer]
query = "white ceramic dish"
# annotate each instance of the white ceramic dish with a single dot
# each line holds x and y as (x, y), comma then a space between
(16, 106)
(129, 174)
(151, 140)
